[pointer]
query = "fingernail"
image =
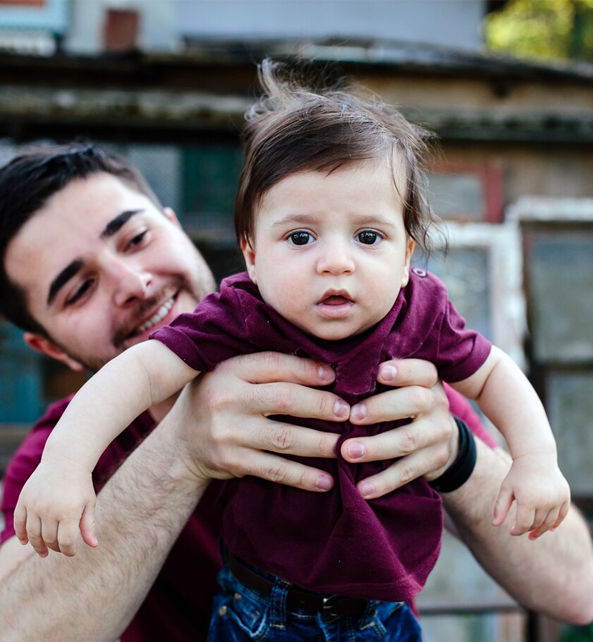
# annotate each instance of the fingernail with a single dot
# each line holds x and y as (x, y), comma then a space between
(323, 482)
(325, 373)
(366, 489)
(341, 408)
(359, 411)
(388, 373)
(356, 450)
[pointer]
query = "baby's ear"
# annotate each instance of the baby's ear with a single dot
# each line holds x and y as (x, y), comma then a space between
(409, 252)
(247, 247)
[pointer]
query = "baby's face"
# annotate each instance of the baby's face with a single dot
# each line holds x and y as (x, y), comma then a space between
(330, 251)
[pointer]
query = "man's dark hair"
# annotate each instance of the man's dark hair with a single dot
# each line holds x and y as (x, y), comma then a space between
(27, 182)
(291, 129)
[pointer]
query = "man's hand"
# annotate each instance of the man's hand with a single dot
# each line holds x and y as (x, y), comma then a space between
(227, 431)
(427, 446)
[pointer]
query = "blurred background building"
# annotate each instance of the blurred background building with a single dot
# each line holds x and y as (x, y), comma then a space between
(166, 84)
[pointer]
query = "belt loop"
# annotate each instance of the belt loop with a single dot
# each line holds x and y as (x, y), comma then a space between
(278, 598)
(369, 613)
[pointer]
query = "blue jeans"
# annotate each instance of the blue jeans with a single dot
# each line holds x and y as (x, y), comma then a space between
(241, 614)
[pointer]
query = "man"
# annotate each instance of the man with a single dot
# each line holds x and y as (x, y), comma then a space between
(91, 265)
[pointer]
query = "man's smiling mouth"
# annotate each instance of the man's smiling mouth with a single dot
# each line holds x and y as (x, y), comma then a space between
(159, 315)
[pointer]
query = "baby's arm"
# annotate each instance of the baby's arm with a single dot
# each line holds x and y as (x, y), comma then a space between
(507, 398)
(60, 492)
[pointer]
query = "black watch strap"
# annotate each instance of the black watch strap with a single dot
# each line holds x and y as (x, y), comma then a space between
(463, 466)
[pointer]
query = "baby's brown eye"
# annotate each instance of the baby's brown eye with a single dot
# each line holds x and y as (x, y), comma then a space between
(368, 237)
(300, 238)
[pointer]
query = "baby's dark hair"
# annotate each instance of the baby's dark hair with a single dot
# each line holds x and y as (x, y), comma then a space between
(291, 129)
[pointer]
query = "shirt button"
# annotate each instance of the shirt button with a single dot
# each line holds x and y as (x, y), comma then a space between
(419, 272)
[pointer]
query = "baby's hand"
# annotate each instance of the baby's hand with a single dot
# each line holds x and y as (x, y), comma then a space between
(55, 502)
(541, 492)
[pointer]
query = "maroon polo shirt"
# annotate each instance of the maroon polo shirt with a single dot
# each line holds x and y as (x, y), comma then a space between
(335, 542)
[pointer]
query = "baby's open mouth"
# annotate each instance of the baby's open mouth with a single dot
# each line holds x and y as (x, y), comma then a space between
(336, 300)
(335, 304)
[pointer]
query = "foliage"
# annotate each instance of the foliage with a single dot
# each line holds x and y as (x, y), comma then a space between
(578, 634)
(544, 29)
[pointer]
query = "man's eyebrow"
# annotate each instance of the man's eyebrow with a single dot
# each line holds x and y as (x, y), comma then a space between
(63, 277)
(118, 222)
(68, 272)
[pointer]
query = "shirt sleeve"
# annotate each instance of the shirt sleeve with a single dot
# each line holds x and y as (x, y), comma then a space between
(437, 332)
(213, 332)
(461, 351)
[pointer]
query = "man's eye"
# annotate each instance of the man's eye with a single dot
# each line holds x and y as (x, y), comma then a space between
(80, 292)
(137, 240)
(300, 238)
(368, 237)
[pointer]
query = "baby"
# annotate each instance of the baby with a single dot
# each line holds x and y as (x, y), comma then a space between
(327, 215)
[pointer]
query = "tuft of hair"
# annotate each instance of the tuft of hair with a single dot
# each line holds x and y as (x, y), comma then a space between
(292, 128)
(27, 182)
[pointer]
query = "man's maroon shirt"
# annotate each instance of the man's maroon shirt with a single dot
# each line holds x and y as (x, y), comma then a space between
(177, 608)
(335, 542)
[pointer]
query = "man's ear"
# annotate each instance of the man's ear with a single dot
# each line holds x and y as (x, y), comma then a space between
(249, 256)
(46, 347)
(409, 252)
(170, 214)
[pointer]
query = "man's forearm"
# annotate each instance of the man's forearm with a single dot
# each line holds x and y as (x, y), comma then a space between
(94, 595)
(552, 575)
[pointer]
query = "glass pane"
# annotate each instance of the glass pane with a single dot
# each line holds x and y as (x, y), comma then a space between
(210, 178)
(465, 272)
(20, 378)
(570, 408)
(455, 196)
(161, 167)
(561, 297)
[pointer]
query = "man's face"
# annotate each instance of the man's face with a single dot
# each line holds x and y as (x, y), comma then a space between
(102, 268)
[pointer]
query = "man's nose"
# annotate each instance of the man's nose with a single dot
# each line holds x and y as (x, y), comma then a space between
(131, 283)
(335, 258)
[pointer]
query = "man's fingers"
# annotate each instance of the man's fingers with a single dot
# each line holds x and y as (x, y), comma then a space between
(291, 473)
(400, 442)
(397, 475)
(297, 401)
(287, 439)
(268, 367)
(408, 372)
(396, 404)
